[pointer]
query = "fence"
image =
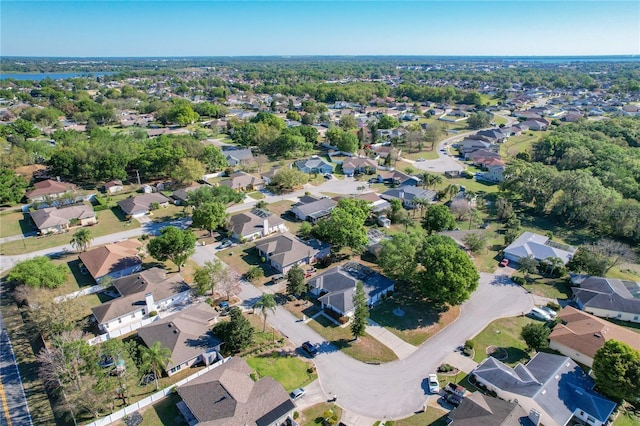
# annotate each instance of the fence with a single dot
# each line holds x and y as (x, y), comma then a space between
(104, 421)
(122, 331)
(83, 292)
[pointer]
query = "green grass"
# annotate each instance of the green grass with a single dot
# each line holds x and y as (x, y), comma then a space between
(365, 349)
(554, 288)
(470, 184)
(170, 212)
(256, 195)
(290, 371)
(15, 223)
(432, 416)
(426, 154)
(499, 120)
(505, 333)
(163, 412)
(109, 222)
(517, 144)
(314, 415)
(627, 418)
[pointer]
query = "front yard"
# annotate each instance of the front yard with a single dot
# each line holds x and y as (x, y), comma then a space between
(503, 333)
(315, 414)
(291, 371)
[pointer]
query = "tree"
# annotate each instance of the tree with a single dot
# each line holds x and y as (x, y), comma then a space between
(345, 225)
(433, 133)
(254, 273)
(387, 122)
(155, 358)
(460, 208)
(554, 265)
(438, 218)
(38, 272)
(188, 170)
(536, 335)
(208, 275)
(361, 312)
(449, 276)
(213, 158)
(12, 186)
(305, 230)
(173, 244)
(221, 194)
(296, 285)
(265, 304)
(288, 179)
(237, 333)
(504, 209)
(479, 120)
(474, 217)
(348, 142)
(348, 122)
(476, 242)
(81, 239)
(227, 284)
(616, 367)
(182, 114)
(210, 216)
(398, 256)
(451, 191)
(528, 265)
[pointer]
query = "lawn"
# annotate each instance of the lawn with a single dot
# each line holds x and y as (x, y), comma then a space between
(432, 416)
(365, 349)
(109, 222)
(242, 257)
(256, 195)
(470, 185)
(163, 412)
(15, 223)
(314, 415)
(290, 371)
(170, 212)
(420, 321)
(517, 144)
(554, 288)
(505, 333)
(426, 154)
(627, 418)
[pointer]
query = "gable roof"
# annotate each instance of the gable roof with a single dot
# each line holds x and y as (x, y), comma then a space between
(408, 193)
(286, 249)
(608, 293)
(133, 289)
(356, 162)
(48, 187)
(186, 334)
(322, 206)
(111, 257)
(314, 162)
(53, 216)
(555, 382)
(238, 154)
(240, 180)
(477, 409)
(538, 246)
(586, 333)
(247, 223)
(181, 194)
(141, 202)
(226, 395)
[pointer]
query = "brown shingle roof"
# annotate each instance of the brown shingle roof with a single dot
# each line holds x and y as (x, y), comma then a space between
(53, 216)
(48, 187)
(111, 257)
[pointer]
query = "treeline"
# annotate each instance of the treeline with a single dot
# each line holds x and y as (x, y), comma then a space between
(584, 177)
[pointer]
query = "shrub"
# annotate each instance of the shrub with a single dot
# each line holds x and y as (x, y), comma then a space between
(100, 208)
(295, 415)
(153, 314)
(254, 273)
(554, 306)
(469, 344)
(445, 368)
(467, 351)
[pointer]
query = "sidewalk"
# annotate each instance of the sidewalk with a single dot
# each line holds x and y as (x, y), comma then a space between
(401, 348)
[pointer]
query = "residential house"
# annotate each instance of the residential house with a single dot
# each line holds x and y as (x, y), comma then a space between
(228, 396)
(285, 250)
(552, 385)
(537, 124)
(52, 220)
(180, 196)
(336, 286)
(396, 177)
(580, 335)
(539, 247)
(140, 205)
(313, 209)
(187, 335)
(48, 189)
(313, 165)
(477, 409)
(268, 175)
(241, 181)
(255, 224)
(114, 260)
(607, 297)
(408, 195)
(376, 203)
(375, 239)
(490, 135)
(494, 173)
(238, 157)
(382, 151)
(355, 165)
(469, 145)
(139, 294)
(113, 186)
(480, 153)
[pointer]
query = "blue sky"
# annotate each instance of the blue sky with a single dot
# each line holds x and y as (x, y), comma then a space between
(240, 28)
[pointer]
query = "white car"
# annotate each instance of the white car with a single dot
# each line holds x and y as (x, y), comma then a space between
(297, 394)
(549, 311)
(540, 314)
(434, 385)
(225, 244)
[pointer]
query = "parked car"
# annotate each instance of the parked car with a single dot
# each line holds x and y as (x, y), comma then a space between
(310, 348)
(434, 385)
(328, 176)
(549, 311)
(504, 262)
(277, 278)
(455, 389)
(452, 399)
(297, 394)
(225, 244)
(540, 314)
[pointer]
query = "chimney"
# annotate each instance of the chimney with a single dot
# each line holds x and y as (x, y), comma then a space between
(534, 416)
(265, 226)
(148, 299)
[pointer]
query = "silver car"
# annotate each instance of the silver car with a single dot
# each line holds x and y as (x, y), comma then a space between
(297, 394)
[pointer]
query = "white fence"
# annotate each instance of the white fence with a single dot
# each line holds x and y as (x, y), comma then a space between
(104, 421)
(123, 330)
(83, 292)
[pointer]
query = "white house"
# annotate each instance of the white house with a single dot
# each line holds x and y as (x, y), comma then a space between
(539, 247)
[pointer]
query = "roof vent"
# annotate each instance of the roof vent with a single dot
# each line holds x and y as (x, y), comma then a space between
(175, 331)
(598, 335)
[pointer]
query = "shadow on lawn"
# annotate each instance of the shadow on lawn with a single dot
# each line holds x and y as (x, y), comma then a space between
(418, 311)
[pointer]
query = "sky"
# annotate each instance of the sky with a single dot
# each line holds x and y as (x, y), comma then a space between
(246, 28)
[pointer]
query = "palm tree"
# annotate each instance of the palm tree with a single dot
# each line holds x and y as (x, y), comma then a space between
(553, 263)
(451, 191)
(266, 303)
(421, 203)
(81, 239)
(474, 217)
(436, 180)
(527, 265)
(155, 359)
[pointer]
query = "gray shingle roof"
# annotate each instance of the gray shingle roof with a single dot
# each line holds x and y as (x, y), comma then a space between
(141, 203)
(286, 249)
(53, 216)
(477, 409)
(248, 223)
(609, 294)
(538, 246)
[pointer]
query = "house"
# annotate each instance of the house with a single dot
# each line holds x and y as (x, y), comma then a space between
(312, 209)
(52, 220)
(552, 385)
(139, 294)
(255, 224)
(336, 286)
(607, 297)
(580, 335)
(48, 189)
(113, 186)
(539, 247)
(396, 177)
(490, 135)
(383, 151)
(283, 251)
(355, 165)
(187, 335)
(268, 175)
(470, 145)
(114, 260)
(141, 205)
(375, 238)
(537, 124)
(228, 396)
(241, 181)
(477, 409)
(376, 203)
(237, 157)
(180, 196)
(408, 195)
(314, 165)
(480, 153)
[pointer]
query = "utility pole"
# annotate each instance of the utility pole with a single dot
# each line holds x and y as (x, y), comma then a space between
(138, 176)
